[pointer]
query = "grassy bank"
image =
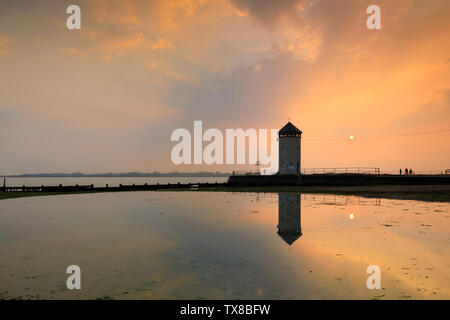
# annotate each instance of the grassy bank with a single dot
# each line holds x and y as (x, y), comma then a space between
(414, 192)
(423, 193)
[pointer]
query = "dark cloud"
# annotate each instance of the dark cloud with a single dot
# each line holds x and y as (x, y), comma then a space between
(269, 11)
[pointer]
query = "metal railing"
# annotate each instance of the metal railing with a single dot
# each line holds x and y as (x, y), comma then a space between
(360, 170)
(340, 199)
(417, 173)
(428, 173)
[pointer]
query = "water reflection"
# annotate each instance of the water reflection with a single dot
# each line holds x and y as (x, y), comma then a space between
(196, 245)
(289, 217)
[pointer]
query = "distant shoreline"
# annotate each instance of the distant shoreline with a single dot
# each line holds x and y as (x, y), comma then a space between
(430, 193)
(122, 175)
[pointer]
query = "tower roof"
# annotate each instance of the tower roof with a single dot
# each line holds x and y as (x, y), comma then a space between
(289, 237)
(289, 128)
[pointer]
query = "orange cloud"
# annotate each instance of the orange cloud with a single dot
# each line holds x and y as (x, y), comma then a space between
(181, 78)
(122, 45)
(161, 44)
(76, 52)
(4, 42)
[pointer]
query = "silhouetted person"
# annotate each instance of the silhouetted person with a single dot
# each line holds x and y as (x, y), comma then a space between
(400, 171)
(406, 171)
(411, 172)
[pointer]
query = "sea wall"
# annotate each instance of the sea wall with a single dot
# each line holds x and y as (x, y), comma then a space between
(274, 180)
(338, 180)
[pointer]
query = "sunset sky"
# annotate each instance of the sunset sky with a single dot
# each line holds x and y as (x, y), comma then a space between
(107, 97)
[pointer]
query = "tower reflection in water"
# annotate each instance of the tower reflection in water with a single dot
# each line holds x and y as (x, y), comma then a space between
(289, 217)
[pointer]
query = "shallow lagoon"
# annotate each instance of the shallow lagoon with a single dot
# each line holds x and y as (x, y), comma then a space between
(214, 245)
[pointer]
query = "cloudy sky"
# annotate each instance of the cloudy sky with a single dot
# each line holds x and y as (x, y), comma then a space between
(107, 97)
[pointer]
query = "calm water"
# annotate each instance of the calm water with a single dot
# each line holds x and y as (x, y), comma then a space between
(189, 245)
(101, 182)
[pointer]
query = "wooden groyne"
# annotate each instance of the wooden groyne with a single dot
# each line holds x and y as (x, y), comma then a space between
(122, 187)
(307, 180)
